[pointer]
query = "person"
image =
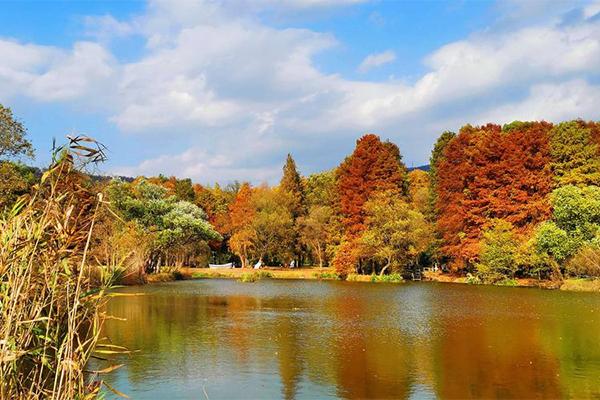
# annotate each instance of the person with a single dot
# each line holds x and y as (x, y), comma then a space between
(258, 265)
(292, 263)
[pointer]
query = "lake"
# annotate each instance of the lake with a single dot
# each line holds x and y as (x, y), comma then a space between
(223, 339)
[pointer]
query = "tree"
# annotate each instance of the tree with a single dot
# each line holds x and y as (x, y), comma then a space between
(172, 224)
(291, 187)
(419, 190)
(575, 223)
(374, 166)
(291, 183)
(575, 153)
(241, 213)
(321, 189)
(499, 252)
(15, 181)
(437, 156)
(13, 141)
(273, 225)
(316, 230)
(396, 233)
(489, 173)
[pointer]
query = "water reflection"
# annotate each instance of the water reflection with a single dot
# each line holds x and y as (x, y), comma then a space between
(281, 339)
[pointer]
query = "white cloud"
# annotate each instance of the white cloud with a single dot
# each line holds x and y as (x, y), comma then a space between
(247, 93)
(376, 60)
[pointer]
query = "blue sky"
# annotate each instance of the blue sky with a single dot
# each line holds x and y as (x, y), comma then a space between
(218, 91)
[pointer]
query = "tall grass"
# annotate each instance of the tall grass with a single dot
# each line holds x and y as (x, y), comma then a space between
(50, 303)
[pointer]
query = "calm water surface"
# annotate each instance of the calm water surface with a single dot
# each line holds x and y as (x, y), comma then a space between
(311, 339)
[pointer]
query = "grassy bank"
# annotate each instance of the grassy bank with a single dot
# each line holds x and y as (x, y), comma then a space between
(315, 273)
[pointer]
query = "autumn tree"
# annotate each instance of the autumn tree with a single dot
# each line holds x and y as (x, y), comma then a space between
(437, 156)
(13, 140)
(575, 150)
(419, 190)
(272, 225)
(318, 230)
(292, 191)
(487, 173)
(396, 233)
(241, 215)
(15, 180)
(374, 166)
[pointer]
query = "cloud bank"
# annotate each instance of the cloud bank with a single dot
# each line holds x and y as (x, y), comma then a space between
(243, 93)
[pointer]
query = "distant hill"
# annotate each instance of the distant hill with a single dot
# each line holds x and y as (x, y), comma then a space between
(422, 168)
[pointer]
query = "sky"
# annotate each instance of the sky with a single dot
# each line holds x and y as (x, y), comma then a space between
(219, 91)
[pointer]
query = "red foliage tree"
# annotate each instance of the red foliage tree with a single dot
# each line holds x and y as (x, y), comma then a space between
(487, 173)
(373, 166)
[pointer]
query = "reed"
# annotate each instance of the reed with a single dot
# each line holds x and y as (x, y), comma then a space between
(50, 303)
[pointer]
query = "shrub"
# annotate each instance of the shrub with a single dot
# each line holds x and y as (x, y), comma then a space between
(255, 276)
(585, 263)
(390, 278)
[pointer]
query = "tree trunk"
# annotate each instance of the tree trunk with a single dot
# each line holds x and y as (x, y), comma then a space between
(384, 268)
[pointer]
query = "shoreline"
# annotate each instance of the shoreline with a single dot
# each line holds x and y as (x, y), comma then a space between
(316, 273)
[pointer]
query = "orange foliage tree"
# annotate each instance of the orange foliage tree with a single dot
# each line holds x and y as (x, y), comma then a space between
(241, 214)
(487, 173)
(374, 166)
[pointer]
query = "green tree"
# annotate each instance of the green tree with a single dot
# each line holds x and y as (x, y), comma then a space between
(321, 189)
(575, 156)
(317, 229)
(396, 233)
(437, 156)
(272, 225)
(291, 183)
(498, 258)
(13, 141)
(575, 223)
(173, 224)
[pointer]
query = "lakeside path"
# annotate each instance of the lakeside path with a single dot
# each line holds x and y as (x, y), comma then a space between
(316, 273)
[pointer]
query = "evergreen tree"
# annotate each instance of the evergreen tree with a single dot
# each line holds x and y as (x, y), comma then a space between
(291, 184)
(437, 156)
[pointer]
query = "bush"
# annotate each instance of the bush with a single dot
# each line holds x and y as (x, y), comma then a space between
(255, 276)
(391, 278)
(327, 275)
(585, 263)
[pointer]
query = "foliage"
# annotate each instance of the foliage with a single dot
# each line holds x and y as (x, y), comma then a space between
(419, 190)
(292, 185)
(396, 233)
(389, 278)
(15, 180)
(586, 262)
(346, 257)
(437, 156)
(488, 173)
(374, 166)
(575, 222)
(273, 225)
(498, 258)
(317, 230)
(175, 226)
(13, 141)
(321, 189)
(575, 154)
(255, 276)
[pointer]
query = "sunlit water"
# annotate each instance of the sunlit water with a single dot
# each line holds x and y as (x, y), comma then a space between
(223, 339)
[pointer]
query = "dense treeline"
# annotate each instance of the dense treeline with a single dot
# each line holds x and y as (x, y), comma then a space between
(498, 202)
